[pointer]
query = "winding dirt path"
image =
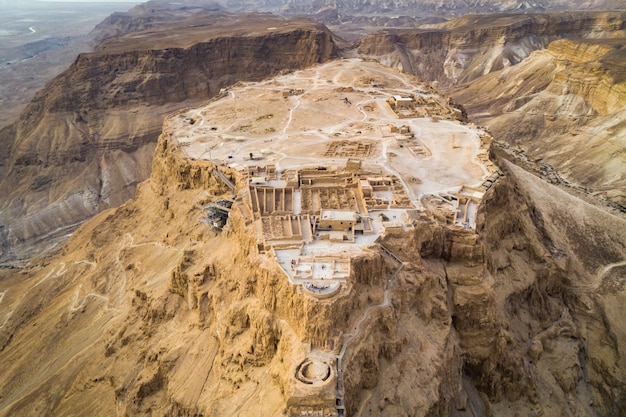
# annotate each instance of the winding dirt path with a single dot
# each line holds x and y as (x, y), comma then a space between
(83, 302)
(291, 110)
(599, 278)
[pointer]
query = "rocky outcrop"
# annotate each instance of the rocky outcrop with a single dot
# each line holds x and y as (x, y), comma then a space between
(87, 139)
(592, 70)
(545, 262)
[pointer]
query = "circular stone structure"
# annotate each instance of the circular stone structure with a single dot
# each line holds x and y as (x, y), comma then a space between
(314, 372)
(322, 290)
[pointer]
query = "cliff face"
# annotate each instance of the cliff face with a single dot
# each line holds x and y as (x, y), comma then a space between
(147, 311)
(472, 46)
(558, 280)
(87, 139)
(594, 71)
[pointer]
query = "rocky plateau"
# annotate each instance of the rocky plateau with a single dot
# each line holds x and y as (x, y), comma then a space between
(146, 311)
(120, 297)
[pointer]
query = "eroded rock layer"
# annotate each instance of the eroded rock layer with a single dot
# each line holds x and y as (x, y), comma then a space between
(464, 49)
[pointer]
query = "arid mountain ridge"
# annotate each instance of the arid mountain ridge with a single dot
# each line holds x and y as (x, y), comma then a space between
(472, 46)
(87, 139)
(350, 19)
(409, 7)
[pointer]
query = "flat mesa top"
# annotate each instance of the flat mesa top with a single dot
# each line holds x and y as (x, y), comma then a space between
(331, 114)
(334, 159)
(203, 27)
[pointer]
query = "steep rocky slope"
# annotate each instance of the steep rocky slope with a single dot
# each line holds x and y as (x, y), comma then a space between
(146, 311)
(564, 108)
(87, 139)
(558, 266)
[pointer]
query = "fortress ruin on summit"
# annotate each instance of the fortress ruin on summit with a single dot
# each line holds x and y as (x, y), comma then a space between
(321, 164)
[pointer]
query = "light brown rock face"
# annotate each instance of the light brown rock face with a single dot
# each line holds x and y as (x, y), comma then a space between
(558, 281)
(87, 139)
(148, 312)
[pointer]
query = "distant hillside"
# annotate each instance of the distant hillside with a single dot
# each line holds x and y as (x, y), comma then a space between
(87, 139)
